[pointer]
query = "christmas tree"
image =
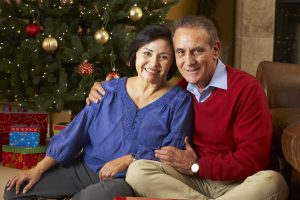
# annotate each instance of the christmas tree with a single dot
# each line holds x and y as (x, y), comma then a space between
(51, 51)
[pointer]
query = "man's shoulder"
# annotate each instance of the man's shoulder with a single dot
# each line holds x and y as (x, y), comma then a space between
(239, 78)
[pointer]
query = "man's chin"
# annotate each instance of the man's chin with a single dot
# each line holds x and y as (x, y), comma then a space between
(191, 79)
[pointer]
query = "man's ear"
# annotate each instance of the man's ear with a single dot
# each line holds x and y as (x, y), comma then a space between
(217, 49)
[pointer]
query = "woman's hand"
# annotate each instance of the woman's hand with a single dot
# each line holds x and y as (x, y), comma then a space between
(110, 169)
(31, 176)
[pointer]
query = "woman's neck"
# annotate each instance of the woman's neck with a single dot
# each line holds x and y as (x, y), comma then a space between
(144, 93)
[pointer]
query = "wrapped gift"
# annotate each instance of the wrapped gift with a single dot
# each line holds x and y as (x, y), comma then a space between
(24, 128)
(59, 127)
(7, 119)
(4, 139)
(60, 118)
(6, 106)
(24, 139)
(22, 157)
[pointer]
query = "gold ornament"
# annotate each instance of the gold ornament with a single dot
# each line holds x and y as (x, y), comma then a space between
(101, 36)
(66, 2)
(135, 13)
(50, 44)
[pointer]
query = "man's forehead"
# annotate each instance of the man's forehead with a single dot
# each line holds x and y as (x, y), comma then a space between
(188, 35)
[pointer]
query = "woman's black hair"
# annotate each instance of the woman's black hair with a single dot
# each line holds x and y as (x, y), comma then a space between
(147, 35)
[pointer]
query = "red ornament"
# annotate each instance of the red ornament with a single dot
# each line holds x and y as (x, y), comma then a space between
(32, 29)
(111, 75)
(85, 69)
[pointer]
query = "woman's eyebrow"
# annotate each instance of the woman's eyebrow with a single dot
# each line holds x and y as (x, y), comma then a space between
(148, 49)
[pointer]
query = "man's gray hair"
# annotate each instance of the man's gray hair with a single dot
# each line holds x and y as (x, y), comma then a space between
(197, 21)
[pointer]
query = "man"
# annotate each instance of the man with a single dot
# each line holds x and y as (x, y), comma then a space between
(232, 130)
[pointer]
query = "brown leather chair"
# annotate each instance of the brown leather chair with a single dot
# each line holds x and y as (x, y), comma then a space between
(281, 83)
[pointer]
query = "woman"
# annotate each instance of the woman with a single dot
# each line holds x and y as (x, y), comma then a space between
(136, 116)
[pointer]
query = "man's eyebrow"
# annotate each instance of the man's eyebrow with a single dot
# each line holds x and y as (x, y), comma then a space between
(179, 49)
(197, 48)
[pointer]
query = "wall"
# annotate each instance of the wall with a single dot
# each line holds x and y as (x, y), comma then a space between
(182, 8)
(224, 15)
(254, 33)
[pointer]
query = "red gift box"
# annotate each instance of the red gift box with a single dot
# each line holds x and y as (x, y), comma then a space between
(11, 118)
(4, 139)
(24, 128)
(22, 157)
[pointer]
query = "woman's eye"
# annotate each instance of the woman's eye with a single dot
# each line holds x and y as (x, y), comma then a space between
(164, 57)
(146, 53)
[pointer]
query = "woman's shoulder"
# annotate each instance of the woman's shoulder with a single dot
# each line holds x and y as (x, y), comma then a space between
(114, 84)
(177, 94)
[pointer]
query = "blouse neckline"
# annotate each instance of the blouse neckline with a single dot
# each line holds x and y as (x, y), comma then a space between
(161, 100)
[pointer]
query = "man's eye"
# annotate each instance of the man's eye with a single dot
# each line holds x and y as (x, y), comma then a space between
(197, 51)
(180, 52)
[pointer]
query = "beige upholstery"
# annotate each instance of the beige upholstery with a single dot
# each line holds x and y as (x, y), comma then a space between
(281, 83)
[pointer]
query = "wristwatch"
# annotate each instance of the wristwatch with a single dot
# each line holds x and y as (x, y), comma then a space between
(195, 167)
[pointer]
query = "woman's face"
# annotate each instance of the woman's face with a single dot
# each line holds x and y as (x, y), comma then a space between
(153, 60)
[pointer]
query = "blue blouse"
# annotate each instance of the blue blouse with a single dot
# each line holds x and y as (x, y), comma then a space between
(116, 127)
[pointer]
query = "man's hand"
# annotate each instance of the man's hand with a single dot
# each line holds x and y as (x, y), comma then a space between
(97, 91)
(181, 160)
(110, 169)
(31, 176)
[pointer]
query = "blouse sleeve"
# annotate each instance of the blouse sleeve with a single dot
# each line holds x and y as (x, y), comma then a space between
(181, 125)
(68, 143)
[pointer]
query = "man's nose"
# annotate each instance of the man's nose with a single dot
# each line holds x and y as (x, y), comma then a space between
(189, 59)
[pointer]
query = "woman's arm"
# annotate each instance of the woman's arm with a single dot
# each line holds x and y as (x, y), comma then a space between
(31, 176)
(112, 168)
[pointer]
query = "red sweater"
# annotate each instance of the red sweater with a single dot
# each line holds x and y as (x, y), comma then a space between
(232, 129)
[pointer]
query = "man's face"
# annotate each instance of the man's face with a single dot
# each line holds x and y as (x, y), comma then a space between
(195, 58)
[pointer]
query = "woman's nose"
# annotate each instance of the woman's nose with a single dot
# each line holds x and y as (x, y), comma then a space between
(154, 61)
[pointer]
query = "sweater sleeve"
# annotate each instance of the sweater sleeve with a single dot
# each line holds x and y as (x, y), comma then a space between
(252, 132)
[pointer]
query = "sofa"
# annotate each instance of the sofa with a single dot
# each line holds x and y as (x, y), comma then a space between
(281, 83)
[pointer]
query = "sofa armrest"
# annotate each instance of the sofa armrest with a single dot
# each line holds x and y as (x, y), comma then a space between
(291, 145)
